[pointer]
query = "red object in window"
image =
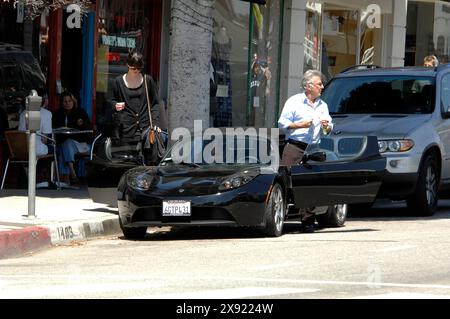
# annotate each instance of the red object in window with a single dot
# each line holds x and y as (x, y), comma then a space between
(113, 57)
(120, 21)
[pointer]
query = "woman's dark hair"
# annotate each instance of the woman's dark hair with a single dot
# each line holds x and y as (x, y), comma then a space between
(135, 59)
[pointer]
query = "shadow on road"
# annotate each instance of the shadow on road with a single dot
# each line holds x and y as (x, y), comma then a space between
(398, 211)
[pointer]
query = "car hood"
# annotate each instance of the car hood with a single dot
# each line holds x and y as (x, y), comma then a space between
(381, 125)
(193, 181)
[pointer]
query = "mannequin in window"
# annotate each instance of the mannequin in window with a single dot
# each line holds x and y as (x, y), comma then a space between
(220, 59)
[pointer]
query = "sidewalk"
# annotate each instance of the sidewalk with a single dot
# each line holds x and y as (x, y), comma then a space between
(62, 217)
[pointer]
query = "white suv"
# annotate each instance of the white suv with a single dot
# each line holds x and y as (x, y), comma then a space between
(408, 109)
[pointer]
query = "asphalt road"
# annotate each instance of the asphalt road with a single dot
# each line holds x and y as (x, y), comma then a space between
(385, 253)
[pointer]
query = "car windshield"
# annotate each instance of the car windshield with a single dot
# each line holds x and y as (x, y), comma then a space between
(380, 95)
(224, 150)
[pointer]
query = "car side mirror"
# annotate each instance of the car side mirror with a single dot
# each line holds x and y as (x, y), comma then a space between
(316, 157)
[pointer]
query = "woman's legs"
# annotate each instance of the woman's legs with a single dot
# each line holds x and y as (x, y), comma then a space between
(67, 153)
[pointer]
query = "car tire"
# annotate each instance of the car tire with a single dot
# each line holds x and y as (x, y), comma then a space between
(275, 212)
(132, 232)
(425, 198)
(335, 216)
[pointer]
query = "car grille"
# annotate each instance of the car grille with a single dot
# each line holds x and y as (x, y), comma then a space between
(350, 146)
(343, 147)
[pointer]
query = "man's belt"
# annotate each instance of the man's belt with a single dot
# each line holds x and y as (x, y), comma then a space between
(299, 144)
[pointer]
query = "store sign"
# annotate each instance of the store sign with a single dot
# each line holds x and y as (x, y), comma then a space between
(115, 41)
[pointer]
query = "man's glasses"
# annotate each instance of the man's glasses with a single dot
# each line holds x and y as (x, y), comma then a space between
(134, 68)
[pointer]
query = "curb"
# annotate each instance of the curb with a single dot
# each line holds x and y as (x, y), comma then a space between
(14, 243)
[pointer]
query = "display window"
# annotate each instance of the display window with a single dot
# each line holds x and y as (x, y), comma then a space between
(122, 26)
(244, 64)
(427, 31)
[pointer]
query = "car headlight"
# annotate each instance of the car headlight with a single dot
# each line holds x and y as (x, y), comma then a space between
(140, 181)
(237, 180)
(395, 145)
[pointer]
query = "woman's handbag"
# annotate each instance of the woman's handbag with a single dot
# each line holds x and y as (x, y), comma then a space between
(153, 145)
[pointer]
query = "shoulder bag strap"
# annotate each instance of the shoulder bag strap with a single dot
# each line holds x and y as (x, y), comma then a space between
(149, 104)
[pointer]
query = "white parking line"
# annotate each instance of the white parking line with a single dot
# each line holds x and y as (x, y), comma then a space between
(395, 248)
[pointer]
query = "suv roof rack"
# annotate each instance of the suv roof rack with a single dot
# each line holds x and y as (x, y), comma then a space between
(360, 67)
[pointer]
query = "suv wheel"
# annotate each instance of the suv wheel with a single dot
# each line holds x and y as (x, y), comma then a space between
(335, 216)
(425, 197)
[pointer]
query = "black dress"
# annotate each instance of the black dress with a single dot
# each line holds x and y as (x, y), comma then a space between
(133, 119)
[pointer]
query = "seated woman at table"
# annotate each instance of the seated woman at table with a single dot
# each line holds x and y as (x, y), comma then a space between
(71, 116)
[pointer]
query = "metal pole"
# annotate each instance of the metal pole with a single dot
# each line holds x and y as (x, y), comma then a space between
(32, 175)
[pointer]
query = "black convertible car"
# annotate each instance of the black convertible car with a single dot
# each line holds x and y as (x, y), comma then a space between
(202, 182)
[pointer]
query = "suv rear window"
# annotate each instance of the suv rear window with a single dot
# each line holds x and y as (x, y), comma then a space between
(380, 95)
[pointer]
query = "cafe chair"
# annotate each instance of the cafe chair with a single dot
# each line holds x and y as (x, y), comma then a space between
(18, 151)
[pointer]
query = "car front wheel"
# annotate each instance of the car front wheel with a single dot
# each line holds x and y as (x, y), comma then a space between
(275, 212)
(425, 198)
(132, 232)
(335, 216)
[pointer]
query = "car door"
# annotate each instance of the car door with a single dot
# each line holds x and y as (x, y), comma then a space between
(352, 172)
(104, 170)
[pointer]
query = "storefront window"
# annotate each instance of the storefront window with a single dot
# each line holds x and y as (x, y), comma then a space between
(427, 31)
(122, 27)
(370, 40)
(340, 27)
(243, 79)
(264, 64)
(229, 61)
(312, 36)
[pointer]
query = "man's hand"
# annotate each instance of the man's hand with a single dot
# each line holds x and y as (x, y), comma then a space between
(324, 123)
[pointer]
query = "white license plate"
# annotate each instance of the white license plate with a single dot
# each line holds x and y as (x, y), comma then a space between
(176, 208)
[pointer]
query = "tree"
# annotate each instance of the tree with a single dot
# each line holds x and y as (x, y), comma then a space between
(189, 62)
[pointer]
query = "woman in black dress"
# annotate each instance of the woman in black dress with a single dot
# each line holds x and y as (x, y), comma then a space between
(130, 108)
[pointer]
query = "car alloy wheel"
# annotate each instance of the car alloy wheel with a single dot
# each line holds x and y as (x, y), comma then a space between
(430, 185)
(275, 212)
(424, 200)
(335, 216)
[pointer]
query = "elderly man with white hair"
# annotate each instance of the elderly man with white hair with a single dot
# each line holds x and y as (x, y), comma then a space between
(303, 118)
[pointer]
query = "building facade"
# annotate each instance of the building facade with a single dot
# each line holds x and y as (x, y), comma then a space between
(258, 52)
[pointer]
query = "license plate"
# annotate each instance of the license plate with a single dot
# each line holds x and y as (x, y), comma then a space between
(176, 208)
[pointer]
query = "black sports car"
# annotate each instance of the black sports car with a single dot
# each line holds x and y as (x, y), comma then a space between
(202, 182)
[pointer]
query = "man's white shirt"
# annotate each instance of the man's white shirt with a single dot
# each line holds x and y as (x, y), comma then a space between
(297, 109)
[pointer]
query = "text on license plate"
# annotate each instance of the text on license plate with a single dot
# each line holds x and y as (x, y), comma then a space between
(176, 208)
